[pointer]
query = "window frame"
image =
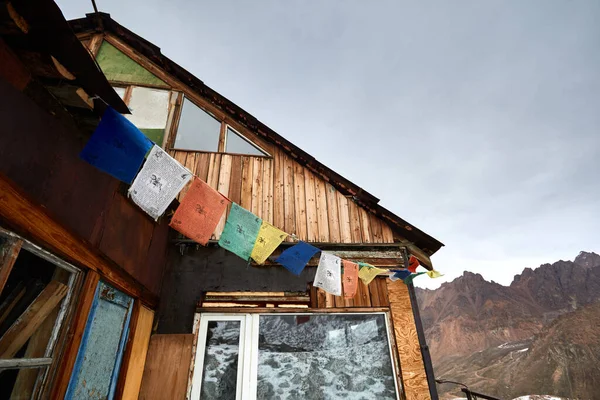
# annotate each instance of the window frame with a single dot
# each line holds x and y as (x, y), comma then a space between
(250, 343)
(56, 342)
(225, 124)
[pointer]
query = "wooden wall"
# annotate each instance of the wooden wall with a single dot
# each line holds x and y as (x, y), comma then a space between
(167, 367)
(373, 295)
(287, 195)
(40, 155)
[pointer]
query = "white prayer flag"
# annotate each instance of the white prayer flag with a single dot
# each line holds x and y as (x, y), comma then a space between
(159, 181)
(329, 274)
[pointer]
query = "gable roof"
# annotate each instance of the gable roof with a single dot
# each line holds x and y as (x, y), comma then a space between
(102, 22)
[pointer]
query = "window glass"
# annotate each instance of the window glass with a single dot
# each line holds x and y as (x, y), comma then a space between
(219, 376)
(149, 111)
(324, 357)
(120, 91)
(237, 144)
(197, 130)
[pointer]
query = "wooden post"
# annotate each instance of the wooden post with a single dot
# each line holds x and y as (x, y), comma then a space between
(407, 342)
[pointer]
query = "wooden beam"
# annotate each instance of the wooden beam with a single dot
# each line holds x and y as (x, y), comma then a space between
(11, 301)
(26, 325)
(12, 69)
(34, 222)
(36, 347)
(9, 250)
(86, 298)
(135, 359)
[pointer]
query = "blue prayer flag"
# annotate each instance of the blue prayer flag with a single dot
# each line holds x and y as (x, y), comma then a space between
(296, 257)
(401, 274)
(117, 147)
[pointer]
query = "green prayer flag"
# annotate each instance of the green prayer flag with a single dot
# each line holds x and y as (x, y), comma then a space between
(410, 278)
(241, 231)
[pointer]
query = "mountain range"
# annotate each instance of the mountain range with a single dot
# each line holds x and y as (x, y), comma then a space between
(537, 336)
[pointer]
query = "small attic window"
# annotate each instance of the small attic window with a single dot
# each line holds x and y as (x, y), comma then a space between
(236, 143)
(198, 130)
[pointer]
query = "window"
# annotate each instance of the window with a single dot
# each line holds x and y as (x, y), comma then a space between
(294, 356)
(149, 110)
(236, 143)
(34, 301)
(197, 129)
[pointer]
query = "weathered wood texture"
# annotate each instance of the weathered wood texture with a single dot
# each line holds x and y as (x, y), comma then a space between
(289, 195)
(135, 359)
(167, 367)
(40, 154)
(373, 295)
(407, 342)
(9, 250)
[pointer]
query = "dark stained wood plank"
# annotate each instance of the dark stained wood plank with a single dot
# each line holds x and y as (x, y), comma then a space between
(374, 293)
(18, 210)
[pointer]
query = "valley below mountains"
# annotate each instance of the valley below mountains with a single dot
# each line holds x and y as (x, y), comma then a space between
(538, 336)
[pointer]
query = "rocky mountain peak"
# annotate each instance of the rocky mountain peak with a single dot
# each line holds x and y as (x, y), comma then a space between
(587, 260)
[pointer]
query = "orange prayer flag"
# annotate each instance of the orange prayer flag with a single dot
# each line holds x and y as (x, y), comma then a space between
(413, 263)
(199, 212)
(350, 278)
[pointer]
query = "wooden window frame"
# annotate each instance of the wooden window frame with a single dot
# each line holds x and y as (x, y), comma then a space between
(56, 345)
(249, 335)
(225, 124)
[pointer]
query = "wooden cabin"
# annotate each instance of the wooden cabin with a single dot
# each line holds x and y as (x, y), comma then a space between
(97, 300)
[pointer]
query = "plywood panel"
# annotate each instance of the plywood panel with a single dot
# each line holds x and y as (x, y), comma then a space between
(167, 366)
(312, 227)
(134, 367)
(322, 212)
(407, 342)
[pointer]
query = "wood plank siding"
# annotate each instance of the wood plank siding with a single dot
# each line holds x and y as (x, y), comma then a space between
(288, 195)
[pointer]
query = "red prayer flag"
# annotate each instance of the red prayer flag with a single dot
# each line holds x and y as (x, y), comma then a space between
(413, 263)
(350, 278)
(199, 212)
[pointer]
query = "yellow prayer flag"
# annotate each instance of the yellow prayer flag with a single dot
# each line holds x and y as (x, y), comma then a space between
(267, 241)
(434, 274)
(367, 274)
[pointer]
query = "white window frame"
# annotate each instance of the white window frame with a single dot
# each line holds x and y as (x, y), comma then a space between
(247, 380)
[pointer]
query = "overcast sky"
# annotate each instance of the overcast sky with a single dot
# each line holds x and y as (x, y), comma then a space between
(477, 121)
